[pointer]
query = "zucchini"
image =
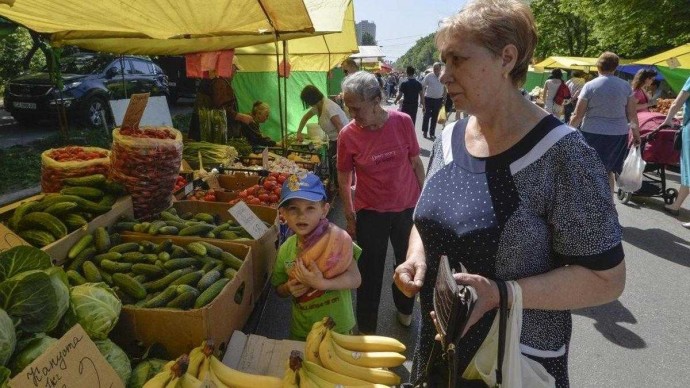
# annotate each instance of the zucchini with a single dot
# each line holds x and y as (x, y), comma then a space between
(95, 180)
(37, 238)
(44, 221)
(82, 244)
(61, 208)
(20, 211)
(211, 293)
(85, 192)
(74, 221)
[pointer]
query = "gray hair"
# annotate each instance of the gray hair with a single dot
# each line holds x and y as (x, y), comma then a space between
(363, 84)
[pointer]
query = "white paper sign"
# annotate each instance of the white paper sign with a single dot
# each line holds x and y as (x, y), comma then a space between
(248, 220)
(189, 188)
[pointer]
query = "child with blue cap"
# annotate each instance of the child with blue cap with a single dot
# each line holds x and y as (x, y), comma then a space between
(317, 265)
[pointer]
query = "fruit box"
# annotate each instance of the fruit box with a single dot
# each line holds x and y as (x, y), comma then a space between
(236, 182)
(259, 355)
(58, 249)
(264, 250)
(179, 331)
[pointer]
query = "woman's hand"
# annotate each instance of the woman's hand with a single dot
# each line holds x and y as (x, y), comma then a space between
(409, 276)
(310, 277)
(487, 295)
(296, 288)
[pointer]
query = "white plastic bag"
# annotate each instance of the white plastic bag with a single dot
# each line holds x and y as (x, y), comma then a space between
(518, 370)
(630, 179)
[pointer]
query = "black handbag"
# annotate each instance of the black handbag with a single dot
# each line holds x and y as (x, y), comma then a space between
(453, 305)
(678, 139)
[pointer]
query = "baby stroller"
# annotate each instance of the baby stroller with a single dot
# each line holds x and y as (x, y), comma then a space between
(657, 152)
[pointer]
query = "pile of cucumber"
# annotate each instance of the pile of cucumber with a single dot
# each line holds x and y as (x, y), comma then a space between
(43, 222)
(150, 275)
(201, 225)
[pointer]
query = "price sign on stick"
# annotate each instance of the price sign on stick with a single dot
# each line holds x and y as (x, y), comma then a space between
(248, 220)
(135, 110)
(73, 361)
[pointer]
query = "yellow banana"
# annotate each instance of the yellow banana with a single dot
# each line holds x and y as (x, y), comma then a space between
(329, 375)
(370, 359)
(160, 380)
(368, 343)
(290, 377)
(204, 368)
(188, 381)
(196, 357)
(214, 382)
(238, 379)
(311, 346)
(305, 381)
(173, 383)
(321, 383)
(331, 361)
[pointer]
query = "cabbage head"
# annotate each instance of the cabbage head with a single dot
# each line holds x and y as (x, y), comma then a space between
(95, 307)
(8, 338)
(117, 358)
(28, 350)
(144, 371)
(4, 377)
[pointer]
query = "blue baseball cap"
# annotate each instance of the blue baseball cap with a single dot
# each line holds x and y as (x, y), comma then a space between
(303, 186)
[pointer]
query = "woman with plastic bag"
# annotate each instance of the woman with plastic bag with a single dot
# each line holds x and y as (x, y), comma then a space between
(682, 100)
(606, 112)
(512, 194)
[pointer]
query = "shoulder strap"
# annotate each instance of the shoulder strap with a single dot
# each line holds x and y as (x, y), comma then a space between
(502, 323)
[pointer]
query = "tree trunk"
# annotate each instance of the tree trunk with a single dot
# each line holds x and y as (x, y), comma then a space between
(36, 43)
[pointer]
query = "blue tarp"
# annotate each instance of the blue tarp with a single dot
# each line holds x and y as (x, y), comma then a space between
(632, 69)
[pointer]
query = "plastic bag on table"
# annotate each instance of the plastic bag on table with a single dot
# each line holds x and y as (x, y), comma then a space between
(630, 179)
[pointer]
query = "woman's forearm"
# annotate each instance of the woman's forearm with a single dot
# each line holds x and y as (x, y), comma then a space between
(415, 248)
(348, 280)
(345, 187)
(572, 287)
(418, 167)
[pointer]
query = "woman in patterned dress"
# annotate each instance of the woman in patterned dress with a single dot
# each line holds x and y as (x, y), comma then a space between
(513, 194)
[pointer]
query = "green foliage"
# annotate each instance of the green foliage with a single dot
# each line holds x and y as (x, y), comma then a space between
(423, 54)
(13, 50)
(368, 40)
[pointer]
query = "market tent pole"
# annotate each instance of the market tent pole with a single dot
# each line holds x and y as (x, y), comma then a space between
(286, 70)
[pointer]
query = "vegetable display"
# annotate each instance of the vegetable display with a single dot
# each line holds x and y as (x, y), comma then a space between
(213, 125)
(144, 371)
(28, 350)
(150, 275)
(116, 357)
(211, 154)
(58, 164)
(45, 221)
(8, 338)
(147, 162)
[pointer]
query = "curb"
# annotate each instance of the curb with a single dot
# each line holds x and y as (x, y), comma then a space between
(18, 195)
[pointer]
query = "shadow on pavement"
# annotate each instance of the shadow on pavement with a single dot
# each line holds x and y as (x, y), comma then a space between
(607, 319)
(659, 243)
(424, 152)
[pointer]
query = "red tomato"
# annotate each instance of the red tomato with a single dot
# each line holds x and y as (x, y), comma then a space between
(263, 197)
(281, 178)
(272, 198)
(255, 201)
(250, 198)
(277, 190)
(269, 184)
(243, 194)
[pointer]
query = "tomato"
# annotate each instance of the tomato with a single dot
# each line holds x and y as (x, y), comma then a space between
(255, 201)
(210, 198)
(281, 178)
(250, 198)
(263, 197)
(272, 198)
(268, 185)
(277, 190)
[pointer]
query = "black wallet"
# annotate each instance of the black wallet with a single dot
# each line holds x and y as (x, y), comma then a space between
(453, 304)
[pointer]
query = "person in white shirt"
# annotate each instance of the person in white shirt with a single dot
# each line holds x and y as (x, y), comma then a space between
(434, 93)
(575, 85)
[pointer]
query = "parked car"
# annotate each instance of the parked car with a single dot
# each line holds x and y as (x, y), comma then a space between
(176, 70)
(90, 80)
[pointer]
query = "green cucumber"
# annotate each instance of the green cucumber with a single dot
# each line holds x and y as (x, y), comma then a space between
(84, 255)
(190, 279)
(61, 208)
(196, 248)
(101, 239)
(95, 180)
(183, 262)
(165, 281)
(114, 266)
(184, 301)
(112, 256)
(20, 211)
(125, 247)
(82, 244)
(231, 260)
(212, 250)
(129, 286)
(91, 272)
(211, 293)
(37, 238)
(162, 299)
(147, 269)
(196, 230)
(208, 279)
(89, 193)
(74, 278)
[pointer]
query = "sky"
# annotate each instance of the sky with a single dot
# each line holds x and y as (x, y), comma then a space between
(400, 23)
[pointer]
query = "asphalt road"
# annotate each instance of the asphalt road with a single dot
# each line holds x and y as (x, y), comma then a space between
(640, 340)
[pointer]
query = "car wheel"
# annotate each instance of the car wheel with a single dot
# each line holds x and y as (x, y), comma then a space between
(91, 114)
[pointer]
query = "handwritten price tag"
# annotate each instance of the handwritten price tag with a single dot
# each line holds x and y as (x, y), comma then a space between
(135, 110)
(74, 361)
(249, 221)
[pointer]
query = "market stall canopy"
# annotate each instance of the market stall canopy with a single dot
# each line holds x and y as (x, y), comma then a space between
(315, 53)
(678, 57)
(169, 27)
(570, 63)
(369, 54)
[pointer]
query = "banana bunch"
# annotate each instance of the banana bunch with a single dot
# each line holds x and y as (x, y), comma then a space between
(222, 376)
(174, 376)
(199, 363)
(305, 374)
(354, 360)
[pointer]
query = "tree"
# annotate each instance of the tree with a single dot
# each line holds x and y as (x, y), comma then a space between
(14, 54)
(561, 30)
(368, 40)
(422, 54)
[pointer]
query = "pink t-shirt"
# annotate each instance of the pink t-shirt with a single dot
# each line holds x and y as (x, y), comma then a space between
(386, 181)
(641, 98)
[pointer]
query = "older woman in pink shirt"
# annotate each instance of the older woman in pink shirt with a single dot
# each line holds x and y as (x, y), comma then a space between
(382, 148)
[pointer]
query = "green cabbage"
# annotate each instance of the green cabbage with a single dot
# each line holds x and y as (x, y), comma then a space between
(58, 279)
(30, 298)
(8, 338)
(4, 377)
(116, 357)
(95, 307)
(21, 259)
(144, 371)
(28, 350)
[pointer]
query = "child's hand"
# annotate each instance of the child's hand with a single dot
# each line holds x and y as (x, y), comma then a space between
(311, 276)
(296, 288)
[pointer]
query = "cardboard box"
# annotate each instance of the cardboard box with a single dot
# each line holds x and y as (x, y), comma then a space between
(259, 355)
(264, 250)
(73, 361)
(58, 250)
(179, 331)
(236, 182)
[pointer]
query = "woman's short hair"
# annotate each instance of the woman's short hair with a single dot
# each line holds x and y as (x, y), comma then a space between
(311, 95)
(495, 24)
(362, 84)
(258, 107)
(607, 61)
(641, 76)
(556, 73)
